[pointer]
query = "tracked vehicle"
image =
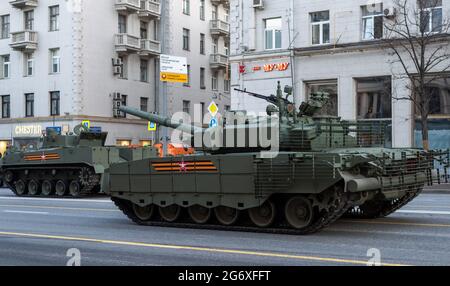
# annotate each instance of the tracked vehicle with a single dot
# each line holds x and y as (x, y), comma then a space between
(65, 165)
(325, 168)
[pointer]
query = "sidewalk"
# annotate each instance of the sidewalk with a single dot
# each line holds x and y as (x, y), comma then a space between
(438, 189)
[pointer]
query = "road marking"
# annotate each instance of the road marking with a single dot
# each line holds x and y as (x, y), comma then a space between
(197, 249)
(395, 223)
(25, 212)
(61, 208)
(56, 199)
(423, 212)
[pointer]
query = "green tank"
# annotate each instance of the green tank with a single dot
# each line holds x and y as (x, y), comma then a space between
(65, 165)
(325, 168)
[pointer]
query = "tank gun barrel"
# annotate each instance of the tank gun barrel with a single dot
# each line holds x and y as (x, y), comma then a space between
(163, 121)
(271, 99)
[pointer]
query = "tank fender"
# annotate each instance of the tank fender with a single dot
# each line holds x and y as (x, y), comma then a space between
(99, 169)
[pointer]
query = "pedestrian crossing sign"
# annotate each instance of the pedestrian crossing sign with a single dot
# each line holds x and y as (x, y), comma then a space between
(86, 123)
(151, 126)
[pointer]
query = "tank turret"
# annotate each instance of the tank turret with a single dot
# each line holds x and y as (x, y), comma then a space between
(81, 136)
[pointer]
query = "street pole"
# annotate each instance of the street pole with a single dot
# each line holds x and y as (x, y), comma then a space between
(162, 94)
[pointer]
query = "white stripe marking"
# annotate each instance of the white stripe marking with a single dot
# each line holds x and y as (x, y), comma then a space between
(25, 212)
(423, 212)
(56, 200)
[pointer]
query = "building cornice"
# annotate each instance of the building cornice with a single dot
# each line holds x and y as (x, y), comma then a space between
(97, 119)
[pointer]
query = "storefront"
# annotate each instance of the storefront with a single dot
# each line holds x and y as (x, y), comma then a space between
(27, 136)
(4, 144)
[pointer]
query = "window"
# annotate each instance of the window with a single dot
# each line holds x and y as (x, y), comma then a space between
(29, 65)
(202, 10)
(430, 16)
(54, 103)
(215, 81)
(6, 106)
(227, 108)
(123, 143)
(144, 104)
(186, 7)
(54, 18)
(320, 27)
(374, 98)
(372, 21)
(202, 78)
(29, 105)
(144, 30)
(226, 85)
(188, 83)
(226, 47)
(330, 87)
(438, 90)
(215, 46)
(272, 33)
(215, 12)
(124, 70)
(156, 30)
(55, 61)
(122, 24)
(202, 106)
(202, 44)
(187, 106)
(186, 34)
(29, 20)
(4, 27)
(144, 70)
(5, 66)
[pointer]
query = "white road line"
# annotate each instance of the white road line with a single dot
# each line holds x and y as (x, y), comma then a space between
(423, 212)
(25, 212)
(56, 200)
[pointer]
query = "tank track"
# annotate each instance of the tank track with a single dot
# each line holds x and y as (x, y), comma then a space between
(378, 209)
(323, 221)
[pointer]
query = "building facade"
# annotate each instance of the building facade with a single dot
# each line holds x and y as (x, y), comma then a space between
(319, 45)
(66, 61)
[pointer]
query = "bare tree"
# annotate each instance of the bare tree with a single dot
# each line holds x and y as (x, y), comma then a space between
(418, 38)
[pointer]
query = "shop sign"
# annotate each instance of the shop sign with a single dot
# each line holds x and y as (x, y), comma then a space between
(28, 130)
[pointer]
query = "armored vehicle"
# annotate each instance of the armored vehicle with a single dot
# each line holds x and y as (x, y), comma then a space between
(65, 165)
(325, 167)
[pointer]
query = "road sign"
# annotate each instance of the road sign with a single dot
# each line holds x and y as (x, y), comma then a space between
(55, 129)
(151, 126)
(173, 69)
(213, 123)
(213, 109)
(95, 129)
(86, 123)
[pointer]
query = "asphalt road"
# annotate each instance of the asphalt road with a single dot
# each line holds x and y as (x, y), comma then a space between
(35, 231)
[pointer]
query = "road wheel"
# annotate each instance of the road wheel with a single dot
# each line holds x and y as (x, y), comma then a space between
(299, 212)
(199, 214)
(9, 176)
(21, 187)
(264, 215)
(61, 188)
(226, 216)
(47, 188)
(75, 189)
(33, 188)
(143, 213)
(170, 213)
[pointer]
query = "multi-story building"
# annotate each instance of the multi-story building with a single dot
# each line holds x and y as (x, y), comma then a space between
(320, 45)
(63, 62)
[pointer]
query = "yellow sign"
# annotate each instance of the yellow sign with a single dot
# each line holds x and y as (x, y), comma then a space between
(173, 77)
(151, 126)
(213, 109)
(86, 123)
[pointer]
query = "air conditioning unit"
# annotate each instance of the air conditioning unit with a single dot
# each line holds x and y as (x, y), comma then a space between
(117, 70)
(390, 12)
(117, 102)
(258, 4)
(117, 62)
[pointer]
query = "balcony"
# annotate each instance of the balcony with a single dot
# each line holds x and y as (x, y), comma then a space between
(225, 3)
(25, 41)
(127, 44)
(219, 28)
(150, 9)
(150, 48)
(129, 6)
(218, 61)
(24, 4)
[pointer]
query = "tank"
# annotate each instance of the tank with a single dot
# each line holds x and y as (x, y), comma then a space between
(324, 168)
(64, 165)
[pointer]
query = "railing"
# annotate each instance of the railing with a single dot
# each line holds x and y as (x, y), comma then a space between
(150, 46)
(24, 37)
(152, 6)
(220, 25)
(128, 40)
(135, 3)
(219, 59)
